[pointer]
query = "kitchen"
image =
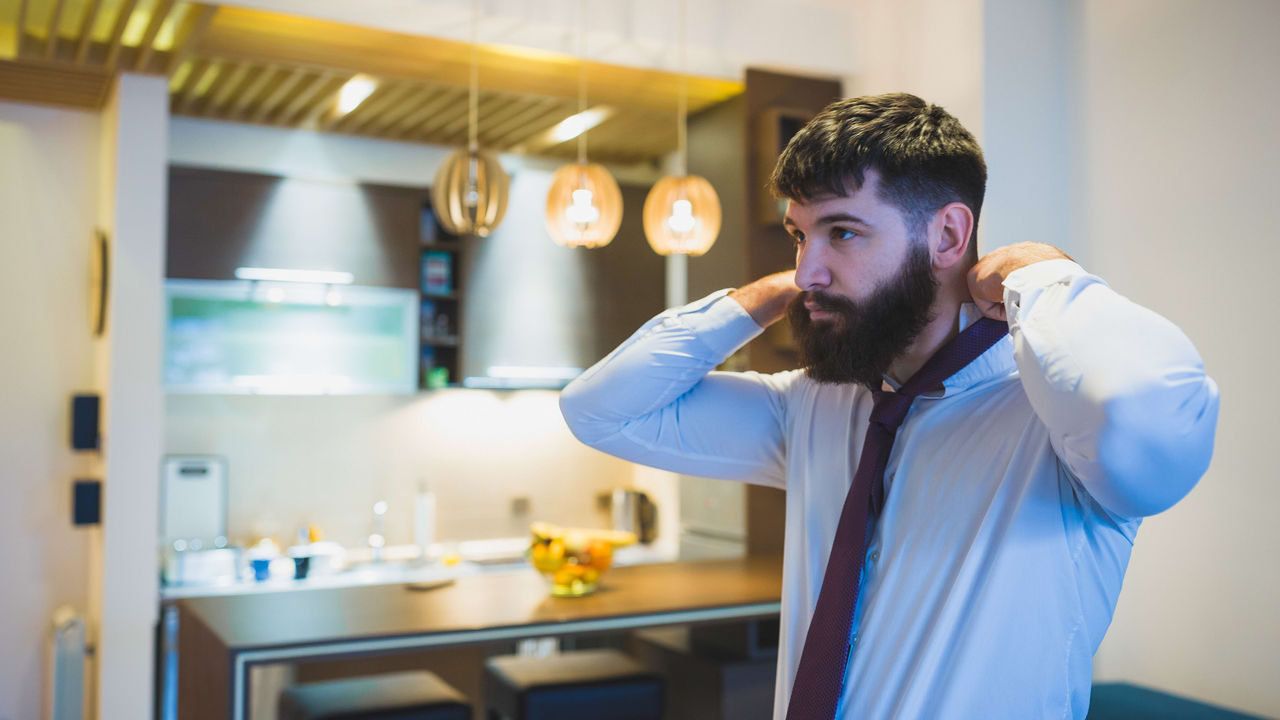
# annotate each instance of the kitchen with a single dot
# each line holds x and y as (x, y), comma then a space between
(385, 446)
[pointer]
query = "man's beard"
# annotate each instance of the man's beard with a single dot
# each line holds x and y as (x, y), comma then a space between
(859, 341)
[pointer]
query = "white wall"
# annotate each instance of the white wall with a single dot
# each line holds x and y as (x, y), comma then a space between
(1027, 119)
(48, 186)
(932, 48)
(1180, 150)
(134, 183)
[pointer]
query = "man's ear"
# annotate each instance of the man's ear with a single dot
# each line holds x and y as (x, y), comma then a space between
(954, 223)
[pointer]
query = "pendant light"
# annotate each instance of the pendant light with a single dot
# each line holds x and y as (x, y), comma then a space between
(471, 189)
(584, 204)
(682, 211)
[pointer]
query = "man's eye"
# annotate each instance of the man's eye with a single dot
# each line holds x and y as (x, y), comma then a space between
(842, 234)
(798, 239)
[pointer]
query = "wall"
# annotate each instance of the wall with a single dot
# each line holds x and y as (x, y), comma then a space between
(48, 188)
(295, 461)
(123, 582)
(1179, 155)
(933, 48)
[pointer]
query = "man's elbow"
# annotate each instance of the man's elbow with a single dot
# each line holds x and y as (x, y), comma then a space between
(1158, 449)
(578, 413)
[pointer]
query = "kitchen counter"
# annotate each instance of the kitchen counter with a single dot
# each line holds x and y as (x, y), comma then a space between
(220, 638)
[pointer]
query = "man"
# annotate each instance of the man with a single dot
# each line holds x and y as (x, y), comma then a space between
(961, 502)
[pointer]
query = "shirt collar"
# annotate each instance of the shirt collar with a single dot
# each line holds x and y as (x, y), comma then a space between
(996, 362)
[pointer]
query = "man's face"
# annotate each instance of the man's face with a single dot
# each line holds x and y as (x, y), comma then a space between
(868, 285)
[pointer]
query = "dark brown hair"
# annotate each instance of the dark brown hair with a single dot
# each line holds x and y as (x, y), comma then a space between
(925, 158)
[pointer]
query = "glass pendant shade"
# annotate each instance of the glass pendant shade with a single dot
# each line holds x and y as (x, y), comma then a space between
(584, 206)
(682, 215)
(470, 192)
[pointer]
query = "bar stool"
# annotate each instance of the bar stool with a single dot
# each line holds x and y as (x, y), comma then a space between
(583, 685)
(414, 695)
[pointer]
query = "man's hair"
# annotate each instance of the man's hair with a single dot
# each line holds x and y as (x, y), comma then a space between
(924, 156)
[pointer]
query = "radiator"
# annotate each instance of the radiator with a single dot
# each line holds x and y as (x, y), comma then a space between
(69, 652)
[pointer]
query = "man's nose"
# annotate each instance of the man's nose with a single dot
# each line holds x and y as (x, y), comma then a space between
(811, 268)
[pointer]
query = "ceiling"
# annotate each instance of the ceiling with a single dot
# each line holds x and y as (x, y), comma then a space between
(252, 66)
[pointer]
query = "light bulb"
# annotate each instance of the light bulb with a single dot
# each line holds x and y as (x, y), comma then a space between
(582, 212)
(682, 219)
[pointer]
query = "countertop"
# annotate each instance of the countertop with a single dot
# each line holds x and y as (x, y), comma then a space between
(221, 638)
(514, 599)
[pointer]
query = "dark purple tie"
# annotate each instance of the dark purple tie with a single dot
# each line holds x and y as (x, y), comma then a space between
(820, 676)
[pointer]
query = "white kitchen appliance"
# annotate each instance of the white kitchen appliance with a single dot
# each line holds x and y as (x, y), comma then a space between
(193, 502)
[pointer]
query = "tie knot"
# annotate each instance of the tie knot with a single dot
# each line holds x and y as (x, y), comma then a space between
(890, 408)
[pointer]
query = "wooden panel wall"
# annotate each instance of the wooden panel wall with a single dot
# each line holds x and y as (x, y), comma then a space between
(770, 250)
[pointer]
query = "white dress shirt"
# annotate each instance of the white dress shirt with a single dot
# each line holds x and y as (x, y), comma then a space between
(1013, 495)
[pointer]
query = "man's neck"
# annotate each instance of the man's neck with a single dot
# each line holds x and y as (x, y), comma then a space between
(944, 327)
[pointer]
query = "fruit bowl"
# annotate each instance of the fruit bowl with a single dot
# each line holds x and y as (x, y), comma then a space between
(573, 559)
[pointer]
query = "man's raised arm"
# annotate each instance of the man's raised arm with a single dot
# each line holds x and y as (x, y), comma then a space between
(1122, 391)
(655, 400)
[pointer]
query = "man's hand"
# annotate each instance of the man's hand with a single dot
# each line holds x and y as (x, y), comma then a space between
(766, 299)
(986, 278)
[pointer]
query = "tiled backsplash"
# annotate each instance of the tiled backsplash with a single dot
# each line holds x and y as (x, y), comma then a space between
(325, 461)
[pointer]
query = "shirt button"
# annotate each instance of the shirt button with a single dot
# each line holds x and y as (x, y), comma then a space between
(875, 556)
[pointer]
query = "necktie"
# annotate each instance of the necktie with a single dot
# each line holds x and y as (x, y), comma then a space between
(820, 676)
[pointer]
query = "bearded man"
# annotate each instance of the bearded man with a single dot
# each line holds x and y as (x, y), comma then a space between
(967, 451)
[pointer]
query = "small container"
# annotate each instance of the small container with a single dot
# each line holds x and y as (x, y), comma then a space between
(261, 568)
(301, 566)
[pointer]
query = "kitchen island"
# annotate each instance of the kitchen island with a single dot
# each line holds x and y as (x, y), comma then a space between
(221, 638)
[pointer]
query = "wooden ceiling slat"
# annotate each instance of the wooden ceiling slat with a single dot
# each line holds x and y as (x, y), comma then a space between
(52, 84)
(291, 111)
(371, 104)
(245, 97)
(522, 134)
(446, 115)
(535, 113)
(277, 95)
(176, 91)
(421, 95)
(158, 15)
(220, 92)
(51, 38)
(458, 130)
(192, 96)
(393, 98)
(510, 107)
(323, 102)
(20, 25)
(195, 25)
(86, 31)
(117, 32)
(446, 98)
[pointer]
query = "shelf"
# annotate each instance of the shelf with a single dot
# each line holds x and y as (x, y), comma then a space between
(445, 246)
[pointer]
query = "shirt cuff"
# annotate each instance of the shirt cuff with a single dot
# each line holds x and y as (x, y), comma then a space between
(1037, 276)
(720, 322)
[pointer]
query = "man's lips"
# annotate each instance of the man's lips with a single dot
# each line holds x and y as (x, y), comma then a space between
(816, 311)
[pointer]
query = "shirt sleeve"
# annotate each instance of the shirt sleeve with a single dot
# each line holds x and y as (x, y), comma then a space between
(656, 400)
(1123, 392)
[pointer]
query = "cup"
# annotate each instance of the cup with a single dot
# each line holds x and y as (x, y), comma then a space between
(301, 566)
(261, 568)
